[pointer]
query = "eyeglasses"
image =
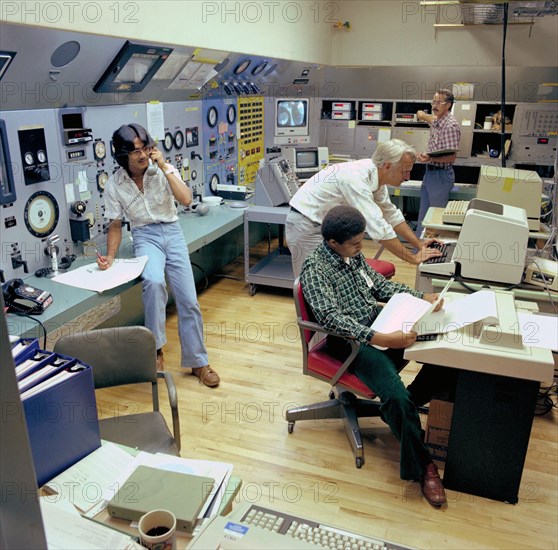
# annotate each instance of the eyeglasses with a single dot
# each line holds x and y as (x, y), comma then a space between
(136, 153)
(438, 102)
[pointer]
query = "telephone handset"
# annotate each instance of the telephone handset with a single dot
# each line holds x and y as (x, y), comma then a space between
(20, 297)
(151, 169)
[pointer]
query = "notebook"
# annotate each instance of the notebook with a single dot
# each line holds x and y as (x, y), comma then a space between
(152, 488)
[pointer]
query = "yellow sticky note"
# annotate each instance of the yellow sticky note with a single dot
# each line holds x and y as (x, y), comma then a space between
(508, 185)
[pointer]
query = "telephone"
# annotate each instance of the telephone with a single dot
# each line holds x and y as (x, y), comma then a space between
(23, 298)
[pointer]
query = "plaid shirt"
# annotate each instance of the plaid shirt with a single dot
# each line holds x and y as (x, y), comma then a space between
(445, 133)
(343, 294)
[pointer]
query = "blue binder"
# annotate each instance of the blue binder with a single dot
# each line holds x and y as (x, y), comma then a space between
(62, 424)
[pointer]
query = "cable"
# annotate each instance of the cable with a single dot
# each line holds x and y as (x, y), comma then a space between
(544, 402)
(20, 314)
(204, 275)
(65, 263)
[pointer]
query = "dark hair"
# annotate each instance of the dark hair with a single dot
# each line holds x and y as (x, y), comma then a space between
(342, 223)
(123, 141)
(449, 96)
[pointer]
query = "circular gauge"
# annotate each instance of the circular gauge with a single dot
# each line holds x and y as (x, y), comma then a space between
(99, 150)
(213, 183)
(242, 66)
(178, 139)
(168, 142)
(271, 69)
(41, 156)
(29, 158)
(194, 175)
(41, 214)
(231, 114)
(78, 207)
(259, 68)
(212, 116)
(102, 178)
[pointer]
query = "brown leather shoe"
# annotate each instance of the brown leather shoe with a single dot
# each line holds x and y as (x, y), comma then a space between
(431, 486)
(207, 376)
(160, 361)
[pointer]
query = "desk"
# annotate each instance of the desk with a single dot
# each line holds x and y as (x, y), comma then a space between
(411, 188)
(494, 408)
(276, 268)
(84, 309)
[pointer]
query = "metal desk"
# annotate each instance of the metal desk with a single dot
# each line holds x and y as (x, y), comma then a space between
(494, 408)
(76, 309)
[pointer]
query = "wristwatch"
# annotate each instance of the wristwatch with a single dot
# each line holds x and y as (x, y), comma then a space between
(167, 172)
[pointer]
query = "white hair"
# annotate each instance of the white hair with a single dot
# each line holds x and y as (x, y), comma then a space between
(392, 151)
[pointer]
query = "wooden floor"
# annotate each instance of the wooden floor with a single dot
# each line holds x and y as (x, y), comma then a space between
(253, 344)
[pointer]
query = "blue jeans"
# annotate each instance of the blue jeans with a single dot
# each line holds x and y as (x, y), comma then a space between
(167, 252)
(434, 191)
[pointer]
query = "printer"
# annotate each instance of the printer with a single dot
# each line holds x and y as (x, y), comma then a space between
(492, 245)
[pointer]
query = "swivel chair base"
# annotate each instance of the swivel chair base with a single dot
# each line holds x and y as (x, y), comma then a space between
(346, 406)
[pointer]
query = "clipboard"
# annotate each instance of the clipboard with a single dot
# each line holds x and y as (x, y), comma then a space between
(441, 152)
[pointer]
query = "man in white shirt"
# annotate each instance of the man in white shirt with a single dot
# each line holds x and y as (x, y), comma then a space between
(362, 185)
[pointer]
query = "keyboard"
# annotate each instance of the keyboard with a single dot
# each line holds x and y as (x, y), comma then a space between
(318, 534)
(443, 248)
(454, 212)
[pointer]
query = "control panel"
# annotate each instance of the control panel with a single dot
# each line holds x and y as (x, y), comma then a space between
(55, 167)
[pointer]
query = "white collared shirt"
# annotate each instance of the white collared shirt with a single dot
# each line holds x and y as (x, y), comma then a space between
(354, 184)
(156, 204)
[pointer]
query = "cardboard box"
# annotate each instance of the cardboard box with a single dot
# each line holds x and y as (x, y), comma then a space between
(438, 430)
(463, 90)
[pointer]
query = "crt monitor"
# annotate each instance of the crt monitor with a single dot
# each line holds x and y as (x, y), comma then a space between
(291, 117)
(307, 159)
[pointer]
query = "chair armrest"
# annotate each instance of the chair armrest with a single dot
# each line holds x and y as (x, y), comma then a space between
(314, 327)
(173, 402)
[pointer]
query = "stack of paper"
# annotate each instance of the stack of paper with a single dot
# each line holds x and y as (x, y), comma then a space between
(110, 467)
(407, 313)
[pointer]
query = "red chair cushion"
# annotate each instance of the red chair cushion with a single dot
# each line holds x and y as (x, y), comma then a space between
(387, 269)
(324, 364)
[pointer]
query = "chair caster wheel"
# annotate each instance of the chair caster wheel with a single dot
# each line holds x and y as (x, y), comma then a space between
(290, 427)
(359, 461)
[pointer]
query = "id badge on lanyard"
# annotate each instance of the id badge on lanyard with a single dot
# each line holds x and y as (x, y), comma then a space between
(369, 281)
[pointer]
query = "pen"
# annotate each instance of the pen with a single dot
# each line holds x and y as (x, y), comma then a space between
(101, 259)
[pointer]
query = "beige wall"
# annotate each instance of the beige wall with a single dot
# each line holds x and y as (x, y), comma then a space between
(297, 30)
(388, 33)
(383, 33)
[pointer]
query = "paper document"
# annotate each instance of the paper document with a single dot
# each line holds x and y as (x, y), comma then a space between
(90, 277)
(64, 529)
(539, 330)
(105, 469)
(408, 313)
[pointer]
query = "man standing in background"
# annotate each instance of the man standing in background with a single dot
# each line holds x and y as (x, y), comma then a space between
(445, 133)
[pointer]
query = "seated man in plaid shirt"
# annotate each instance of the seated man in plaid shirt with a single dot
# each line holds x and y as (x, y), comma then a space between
(342, 291)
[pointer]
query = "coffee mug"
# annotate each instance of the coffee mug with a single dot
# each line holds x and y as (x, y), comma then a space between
(157, 530)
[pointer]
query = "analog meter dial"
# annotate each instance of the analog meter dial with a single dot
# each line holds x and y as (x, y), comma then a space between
(212, 116)
(102, 178)
(99, 150)
(29, 159)
(178, 139)
(231, 114)
(41, 156)
(168, 141)
(41, 214)
(213, 183)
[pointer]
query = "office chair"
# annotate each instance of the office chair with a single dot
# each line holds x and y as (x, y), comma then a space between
(343, 403)
(387, 269)
(121, 356)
